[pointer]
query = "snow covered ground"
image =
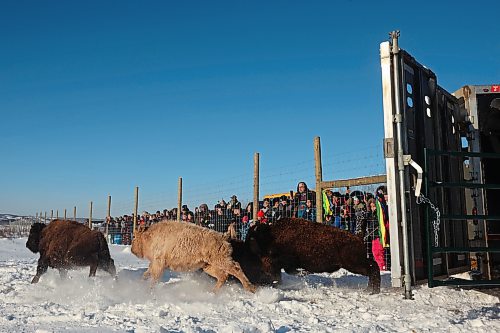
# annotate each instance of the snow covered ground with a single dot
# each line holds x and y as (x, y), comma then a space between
(184, 302)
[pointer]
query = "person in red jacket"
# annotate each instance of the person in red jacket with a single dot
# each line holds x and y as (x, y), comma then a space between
(261, 217)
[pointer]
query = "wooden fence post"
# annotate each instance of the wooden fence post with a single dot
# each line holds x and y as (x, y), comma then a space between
(108, 218)
(256, 166)
(51, 215)
(319, 179)
(179, 200)
(90, 216)
(74, 213)
(64, 214)
(136, 208)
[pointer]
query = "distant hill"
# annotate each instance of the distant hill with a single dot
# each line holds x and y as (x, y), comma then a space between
(7, 218)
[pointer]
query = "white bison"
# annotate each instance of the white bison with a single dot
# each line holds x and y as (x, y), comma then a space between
(181, 246)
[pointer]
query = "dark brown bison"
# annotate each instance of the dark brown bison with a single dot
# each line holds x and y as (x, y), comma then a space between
(259, 271)
(66, 244)
(297, 243)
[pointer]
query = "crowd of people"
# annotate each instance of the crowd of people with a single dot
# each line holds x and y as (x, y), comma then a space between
(361, 213)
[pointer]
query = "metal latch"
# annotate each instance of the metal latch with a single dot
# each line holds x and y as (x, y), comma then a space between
(389, 148)
(420, 172)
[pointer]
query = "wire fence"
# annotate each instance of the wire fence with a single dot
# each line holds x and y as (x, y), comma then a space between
(226, 205)
(17, 228)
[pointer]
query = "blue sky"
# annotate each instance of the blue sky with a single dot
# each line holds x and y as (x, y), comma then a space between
(99, 97)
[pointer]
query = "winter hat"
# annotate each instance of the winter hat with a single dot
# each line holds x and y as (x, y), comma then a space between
(260, 214)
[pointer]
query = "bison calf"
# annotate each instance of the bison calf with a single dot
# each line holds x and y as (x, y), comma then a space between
(182, 246)
(65, 244)
(298, 243)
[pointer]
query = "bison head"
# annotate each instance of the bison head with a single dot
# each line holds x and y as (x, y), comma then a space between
(33, 241)
(108, 266)
(258, 270)
(260, 239)
(260, 242)
(137, 244)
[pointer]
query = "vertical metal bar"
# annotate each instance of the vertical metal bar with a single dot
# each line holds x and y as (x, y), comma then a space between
(51, 214)
(64, 214)
(74, 213)
(401, 166)
(319, 179)
(430, 264)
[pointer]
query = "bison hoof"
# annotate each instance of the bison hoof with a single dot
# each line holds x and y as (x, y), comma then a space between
(251, 288)
(372, 291)
(35, 279)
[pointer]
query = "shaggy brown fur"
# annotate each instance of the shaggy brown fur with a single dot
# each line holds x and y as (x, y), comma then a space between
(256, 269)
(65, 244)
(298, 243)
(181, 246)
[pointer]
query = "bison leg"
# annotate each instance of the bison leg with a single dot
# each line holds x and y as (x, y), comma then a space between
(155, 269)
(217, 273)
(40, 269)
(367, 268)
(374, 277)
(93, 268)
(63, 273)
(147, 273)
(235, 270)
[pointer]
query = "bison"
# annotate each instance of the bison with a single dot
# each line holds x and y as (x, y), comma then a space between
(66, 244)
(257, 270)
(181, 246)
(297, 243)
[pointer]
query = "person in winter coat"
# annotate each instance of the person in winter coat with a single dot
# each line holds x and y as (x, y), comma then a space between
(285, 208)
(234, 203)
(300, 199)
(372, 237)
(221, 221)
(359, 217)
(249, 211)
(245, 225)
(275, 210)
(310, 212)
(261, 217)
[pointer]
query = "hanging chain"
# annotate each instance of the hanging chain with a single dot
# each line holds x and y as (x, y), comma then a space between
(437, 221)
